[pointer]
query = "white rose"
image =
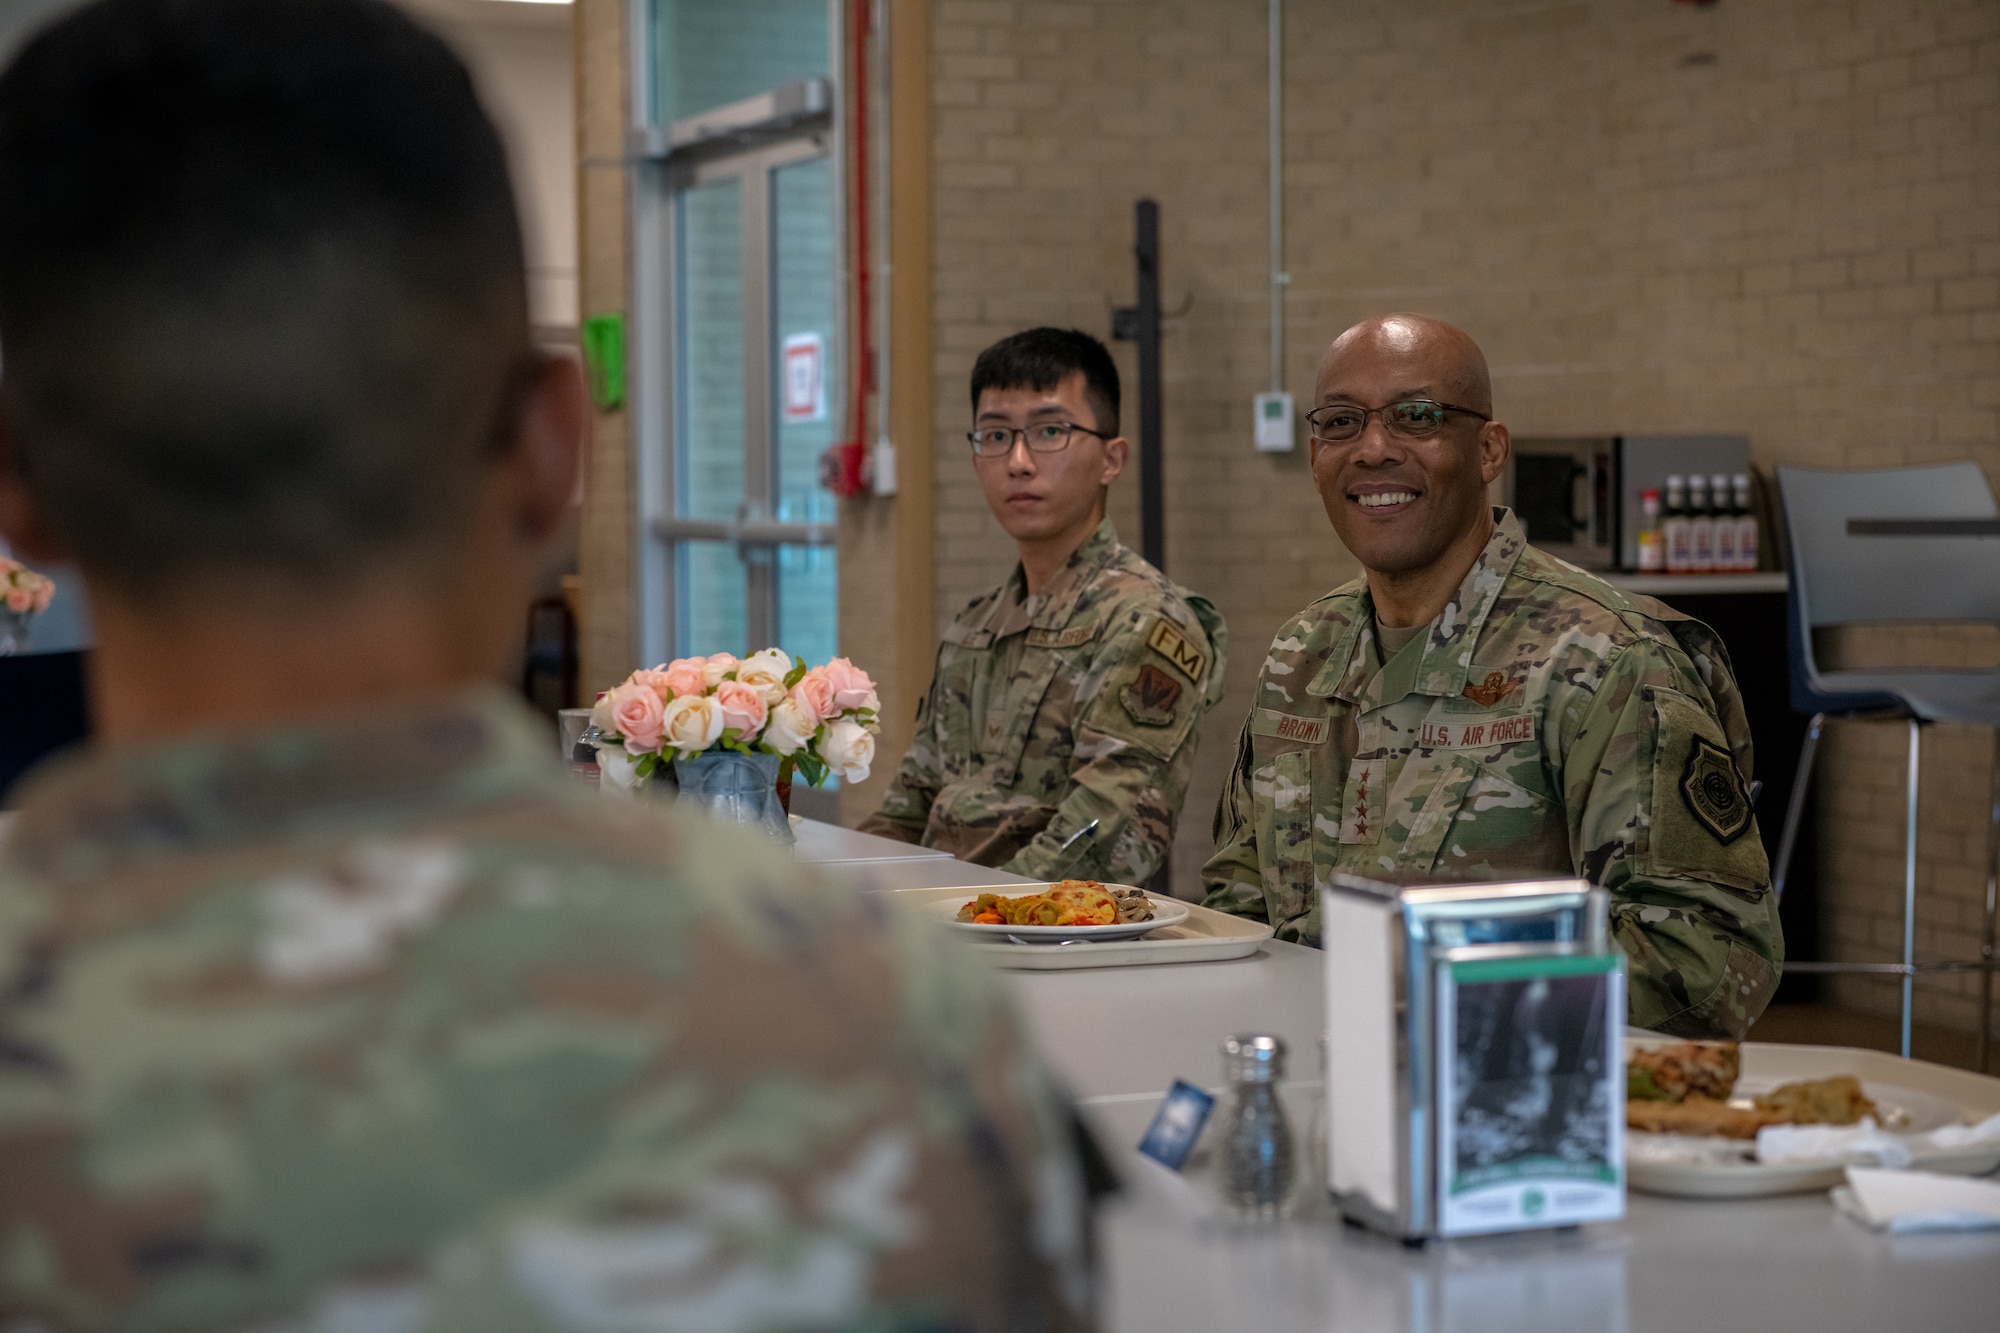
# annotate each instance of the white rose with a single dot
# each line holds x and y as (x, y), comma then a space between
(789, 729)
(692, 723)
(717, 666)
(617, 771)
(848, 750)
(600, 714)
(765, 673)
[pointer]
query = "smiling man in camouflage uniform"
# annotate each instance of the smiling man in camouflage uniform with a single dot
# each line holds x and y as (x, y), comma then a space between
(1475, 709)
(326, 1000)
(1059, 732)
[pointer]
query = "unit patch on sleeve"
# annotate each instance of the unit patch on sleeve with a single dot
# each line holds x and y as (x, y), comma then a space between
(1182, 653)
(1151, 697)
(1713, 791)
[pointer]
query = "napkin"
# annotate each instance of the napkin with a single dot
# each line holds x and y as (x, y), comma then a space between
(1866, 1141)
(1906, 1202)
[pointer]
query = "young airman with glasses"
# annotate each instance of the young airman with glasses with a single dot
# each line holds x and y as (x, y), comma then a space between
(1472, 708)
(1059, 731)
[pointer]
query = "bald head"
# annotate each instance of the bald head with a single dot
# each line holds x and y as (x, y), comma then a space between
(1446, 354)
(1408, 495)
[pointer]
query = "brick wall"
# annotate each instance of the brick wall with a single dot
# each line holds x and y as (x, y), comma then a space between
(1780, 218)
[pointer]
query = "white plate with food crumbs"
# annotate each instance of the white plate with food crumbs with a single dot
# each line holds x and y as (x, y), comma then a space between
(1715, 1120)
(1066, 912)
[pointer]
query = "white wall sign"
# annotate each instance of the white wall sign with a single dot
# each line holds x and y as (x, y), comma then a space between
(804, 362)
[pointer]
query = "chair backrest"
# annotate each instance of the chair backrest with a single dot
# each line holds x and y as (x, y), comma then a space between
(1841, 579)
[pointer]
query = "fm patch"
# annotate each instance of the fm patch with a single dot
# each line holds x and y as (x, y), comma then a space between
(1496, 688)
(1713, 791)
(1151, 697)
(1167, 640)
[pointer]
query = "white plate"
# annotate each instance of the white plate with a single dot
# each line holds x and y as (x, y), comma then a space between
(1166, 912)
(1714, 1168)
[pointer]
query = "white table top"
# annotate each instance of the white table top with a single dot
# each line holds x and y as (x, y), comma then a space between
(1671, 1266)
(825, 843)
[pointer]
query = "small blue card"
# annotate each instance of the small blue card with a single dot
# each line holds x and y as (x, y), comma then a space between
(1177, 1125)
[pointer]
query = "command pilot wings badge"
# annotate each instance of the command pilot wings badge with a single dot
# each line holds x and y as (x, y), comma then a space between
(1496, 688)
(1713, 791)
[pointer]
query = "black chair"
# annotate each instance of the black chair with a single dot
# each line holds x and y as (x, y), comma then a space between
(1899, 544)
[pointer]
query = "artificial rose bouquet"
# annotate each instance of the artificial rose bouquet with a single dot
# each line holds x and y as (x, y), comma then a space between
(819, 720)
(22, 590)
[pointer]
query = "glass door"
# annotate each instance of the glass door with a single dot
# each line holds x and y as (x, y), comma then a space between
(737, 327)
(751, 530)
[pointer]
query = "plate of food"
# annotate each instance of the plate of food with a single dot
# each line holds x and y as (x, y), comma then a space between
(1695, 1120)
(1065, 912)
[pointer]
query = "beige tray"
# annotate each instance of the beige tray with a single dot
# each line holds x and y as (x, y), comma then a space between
(1770, 1063)
(1205, 937)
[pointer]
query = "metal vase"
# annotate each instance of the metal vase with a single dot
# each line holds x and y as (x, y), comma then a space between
(735, 788)
(13, 631)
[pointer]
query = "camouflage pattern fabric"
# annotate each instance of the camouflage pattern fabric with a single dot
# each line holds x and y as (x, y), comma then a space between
(389, 1026)
(1059, 732)
(1547, 724)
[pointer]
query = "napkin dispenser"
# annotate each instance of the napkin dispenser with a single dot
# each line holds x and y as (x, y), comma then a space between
(1475, 1076)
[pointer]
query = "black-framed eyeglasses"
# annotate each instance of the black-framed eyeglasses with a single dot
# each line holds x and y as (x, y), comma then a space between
(1044, 437)
(1411, 418)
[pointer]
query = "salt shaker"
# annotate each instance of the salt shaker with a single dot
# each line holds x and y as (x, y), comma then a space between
(1255, 1156)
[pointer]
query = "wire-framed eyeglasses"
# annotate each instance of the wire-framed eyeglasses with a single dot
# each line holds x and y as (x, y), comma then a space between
(1044, 437)
(1411, 418)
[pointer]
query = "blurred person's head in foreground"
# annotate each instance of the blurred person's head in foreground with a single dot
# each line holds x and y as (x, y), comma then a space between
(267, 371)
(373, 1019)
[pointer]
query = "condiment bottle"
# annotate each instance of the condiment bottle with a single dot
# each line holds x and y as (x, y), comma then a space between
(1746, 524)
(1675, 527)
(1256, 1169)
(1725, 525)
(1652, 542)
(1701, 527)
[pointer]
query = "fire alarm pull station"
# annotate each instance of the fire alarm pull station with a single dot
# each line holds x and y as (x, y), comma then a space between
(1274, 432)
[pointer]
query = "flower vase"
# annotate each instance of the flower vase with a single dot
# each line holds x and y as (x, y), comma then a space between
(737, 789)
(13, 631)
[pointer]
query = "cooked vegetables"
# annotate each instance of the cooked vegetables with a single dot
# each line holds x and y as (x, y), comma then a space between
(1073, 902)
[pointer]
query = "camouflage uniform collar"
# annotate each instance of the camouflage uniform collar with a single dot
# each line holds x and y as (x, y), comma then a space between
(302, 779)
(1353, 670)
(1057, 602)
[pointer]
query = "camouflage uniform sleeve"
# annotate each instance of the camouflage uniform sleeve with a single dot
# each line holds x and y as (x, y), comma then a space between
(906, 808)
(1233, 875)
(1659, 814)
(1157, 672)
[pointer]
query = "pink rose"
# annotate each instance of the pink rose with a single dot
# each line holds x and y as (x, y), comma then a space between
(850, 685)
(743, 709)
(637, 713)
(814, 696)
(20, 599)
(684, 675)
(43, 595)
(654, 680)
(717, 666)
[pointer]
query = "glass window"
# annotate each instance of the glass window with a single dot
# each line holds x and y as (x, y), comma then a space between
(709, 468)
(708, 53)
